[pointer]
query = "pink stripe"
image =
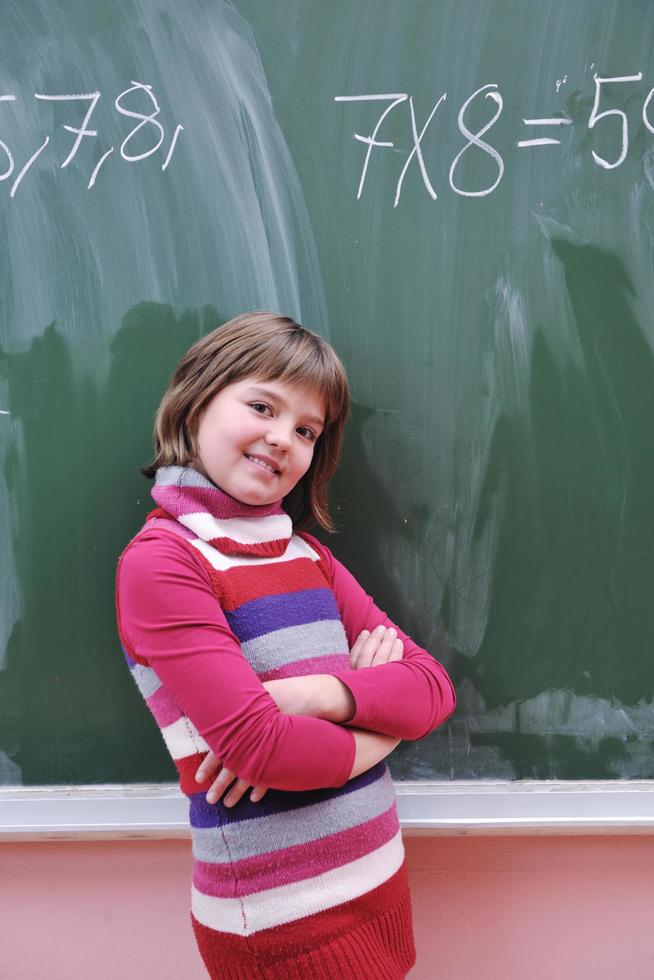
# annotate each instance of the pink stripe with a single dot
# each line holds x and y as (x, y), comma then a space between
(163, 707)
(329, 664)
(191, 500)
(291, 864)
(168, 524)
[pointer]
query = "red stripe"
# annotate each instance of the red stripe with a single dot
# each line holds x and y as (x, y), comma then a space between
(241, 583)
(187, 768)
(156, 512)
(290, 864)
(260, 549)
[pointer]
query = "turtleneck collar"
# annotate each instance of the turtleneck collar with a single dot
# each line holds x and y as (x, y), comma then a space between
(222, 521)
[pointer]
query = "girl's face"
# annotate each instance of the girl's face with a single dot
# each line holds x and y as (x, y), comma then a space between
(256, 438)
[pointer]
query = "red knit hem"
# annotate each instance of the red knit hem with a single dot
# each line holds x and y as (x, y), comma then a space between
(347, 943)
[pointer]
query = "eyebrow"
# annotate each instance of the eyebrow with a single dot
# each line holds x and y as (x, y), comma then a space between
(267, 393)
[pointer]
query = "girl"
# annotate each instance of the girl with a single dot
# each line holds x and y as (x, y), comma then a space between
(254, 647)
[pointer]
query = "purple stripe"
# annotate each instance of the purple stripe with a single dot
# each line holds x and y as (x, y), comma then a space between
(276, 612)
(130, 660)
(203, 814)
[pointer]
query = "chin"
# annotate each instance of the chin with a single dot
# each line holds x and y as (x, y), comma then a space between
(254, 498)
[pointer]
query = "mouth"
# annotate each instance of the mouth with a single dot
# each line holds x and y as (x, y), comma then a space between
(264, 464)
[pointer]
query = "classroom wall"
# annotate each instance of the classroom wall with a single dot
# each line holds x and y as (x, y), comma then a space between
(486, 908)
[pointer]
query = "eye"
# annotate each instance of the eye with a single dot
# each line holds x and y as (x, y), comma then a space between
(307, 433)
(260, 407)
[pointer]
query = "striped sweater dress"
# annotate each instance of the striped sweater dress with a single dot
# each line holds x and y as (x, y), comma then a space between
(214, 597)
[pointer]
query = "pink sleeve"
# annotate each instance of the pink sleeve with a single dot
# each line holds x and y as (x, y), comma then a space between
(169, 616)
(407, 698)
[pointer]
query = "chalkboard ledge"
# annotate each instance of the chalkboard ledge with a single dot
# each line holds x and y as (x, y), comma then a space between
(444, 808)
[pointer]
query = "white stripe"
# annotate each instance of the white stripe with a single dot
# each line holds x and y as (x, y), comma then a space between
(182, 738)
(264, 910)
(297, 548)
(253, 530)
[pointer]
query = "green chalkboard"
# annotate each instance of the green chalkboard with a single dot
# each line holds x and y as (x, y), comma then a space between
(460, 196)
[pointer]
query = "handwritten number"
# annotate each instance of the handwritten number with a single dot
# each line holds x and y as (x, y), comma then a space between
(595, 117)
(474, 140)
(145, 119)
(394, 99)
(93, 97)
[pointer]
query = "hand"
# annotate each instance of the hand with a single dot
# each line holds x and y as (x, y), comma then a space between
(379, 647)
(292, 695)
(211, 764)
(313, 695)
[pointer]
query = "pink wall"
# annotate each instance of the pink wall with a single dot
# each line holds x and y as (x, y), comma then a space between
(486, 908)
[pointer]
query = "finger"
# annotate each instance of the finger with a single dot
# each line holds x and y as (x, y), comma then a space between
(385, 647)
(370, 647)
(397, 652)
(219, 785)
(357, 647)
(258, 793)
(209, 765)
(240, 787)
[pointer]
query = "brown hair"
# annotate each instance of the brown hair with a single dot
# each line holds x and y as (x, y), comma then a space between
(272, 348)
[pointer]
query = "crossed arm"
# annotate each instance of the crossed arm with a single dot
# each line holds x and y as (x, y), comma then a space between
(318, 696)
(299, 733)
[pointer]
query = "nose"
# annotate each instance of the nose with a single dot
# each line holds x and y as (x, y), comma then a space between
(278, 435)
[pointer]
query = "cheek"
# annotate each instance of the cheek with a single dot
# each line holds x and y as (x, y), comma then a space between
(306, 460)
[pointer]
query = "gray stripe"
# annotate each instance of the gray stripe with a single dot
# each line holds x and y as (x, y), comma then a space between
(146, 680)
(246, 838)
(296, 643)
(181, 476)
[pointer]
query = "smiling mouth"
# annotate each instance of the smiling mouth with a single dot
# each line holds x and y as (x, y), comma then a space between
(262, 464)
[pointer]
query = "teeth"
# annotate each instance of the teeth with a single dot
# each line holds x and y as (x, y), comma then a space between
(262, 464)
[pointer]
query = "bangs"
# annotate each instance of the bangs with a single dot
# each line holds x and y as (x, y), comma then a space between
(303, 360)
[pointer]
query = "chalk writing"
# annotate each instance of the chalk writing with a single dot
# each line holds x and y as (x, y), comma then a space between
(558, 121)
(595, 117)
(474, 140)
(137, 91)
(544, 140)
